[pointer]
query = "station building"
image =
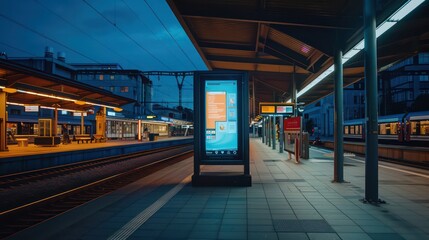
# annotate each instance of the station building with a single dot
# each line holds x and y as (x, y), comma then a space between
(131, 84)
(110, 76)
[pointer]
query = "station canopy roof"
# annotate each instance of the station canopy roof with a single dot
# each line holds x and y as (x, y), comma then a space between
(29, 86)
(272, 39)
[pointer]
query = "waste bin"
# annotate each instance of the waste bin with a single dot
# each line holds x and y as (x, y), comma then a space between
(153, 136)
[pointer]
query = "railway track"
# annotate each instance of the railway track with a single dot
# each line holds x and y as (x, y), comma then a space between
(24, 216)
(10, 180)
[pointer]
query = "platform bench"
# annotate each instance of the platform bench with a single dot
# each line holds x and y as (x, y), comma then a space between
(22, 142)
(82, 138)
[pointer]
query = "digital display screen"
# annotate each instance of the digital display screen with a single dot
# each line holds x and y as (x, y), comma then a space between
(268, 109)
(221, 120)
(284, 109)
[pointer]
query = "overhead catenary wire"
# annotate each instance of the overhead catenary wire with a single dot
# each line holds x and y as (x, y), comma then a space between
(147, 27)
(169, 33)
(126, 34)
(47, 37)
(18, 49)
(85, 33)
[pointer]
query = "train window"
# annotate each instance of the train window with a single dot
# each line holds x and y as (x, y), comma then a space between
(360, 129)
(415, 130)
(164, 128)
(424, 127)
(383, 129)
(393, 129)
(346, 130)
(352, 129)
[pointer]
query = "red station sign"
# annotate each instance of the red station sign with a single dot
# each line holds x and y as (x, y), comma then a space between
(292, 124)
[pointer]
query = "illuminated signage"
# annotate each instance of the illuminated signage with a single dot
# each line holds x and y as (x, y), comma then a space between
(284, 109)
(221, 130)
(31, 108)
(279, 108)
(268, 109)
(292, 124)
(221, 127)
(78, 114)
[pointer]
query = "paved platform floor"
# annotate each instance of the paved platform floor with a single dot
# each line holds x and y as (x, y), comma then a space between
(286, 201)
(17, 151)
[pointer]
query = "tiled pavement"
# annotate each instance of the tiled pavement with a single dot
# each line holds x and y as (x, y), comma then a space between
(286, 201)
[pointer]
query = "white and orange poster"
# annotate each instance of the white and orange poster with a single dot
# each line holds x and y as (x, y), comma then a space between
(216, 108)
(221, 117)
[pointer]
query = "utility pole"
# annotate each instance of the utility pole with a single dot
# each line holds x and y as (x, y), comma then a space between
(180, 85)
(177, 75)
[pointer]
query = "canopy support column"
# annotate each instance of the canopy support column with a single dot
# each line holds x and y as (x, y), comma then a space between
(3, 119)
(338, 119)
(82, 123)
(100, 121)
(371, 103)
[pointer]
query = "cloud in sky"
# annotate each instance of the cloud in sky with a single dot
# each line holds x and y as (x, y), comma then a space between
(137, 34)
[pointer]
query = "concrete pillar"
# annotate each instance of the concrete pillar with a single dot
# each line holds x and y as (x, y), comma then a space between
(338, 119)
(269, 131)
(281, 135)
(263, 130)
(371, 104)
(139, 130)
(100, 121)
(273, 131)
(55, 122)
(294, 98)
(3, 119)
(82, 123)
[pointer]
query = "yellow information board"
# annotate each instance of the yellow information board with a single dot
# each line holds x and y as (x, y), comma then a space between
(268, 109)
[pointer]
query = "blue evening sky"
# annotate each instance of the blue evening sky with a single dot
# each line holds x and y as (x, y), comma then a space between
(137, 34)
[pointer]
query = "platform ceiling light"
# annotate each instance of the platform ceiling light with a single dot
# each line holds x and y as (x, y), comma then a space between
(9, 90)
(41, 106)
(117, 109)
(17, 104)
(403, 11)
(78, 102)
(53, 96)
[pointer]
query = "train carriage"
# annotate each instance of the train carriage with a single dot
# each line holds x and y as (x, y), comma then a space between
(410, 128)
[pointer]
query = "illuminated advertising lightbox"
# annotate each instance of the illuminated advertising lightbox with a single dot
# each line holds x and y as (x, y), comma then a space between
(221, 119)
(221, 127)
